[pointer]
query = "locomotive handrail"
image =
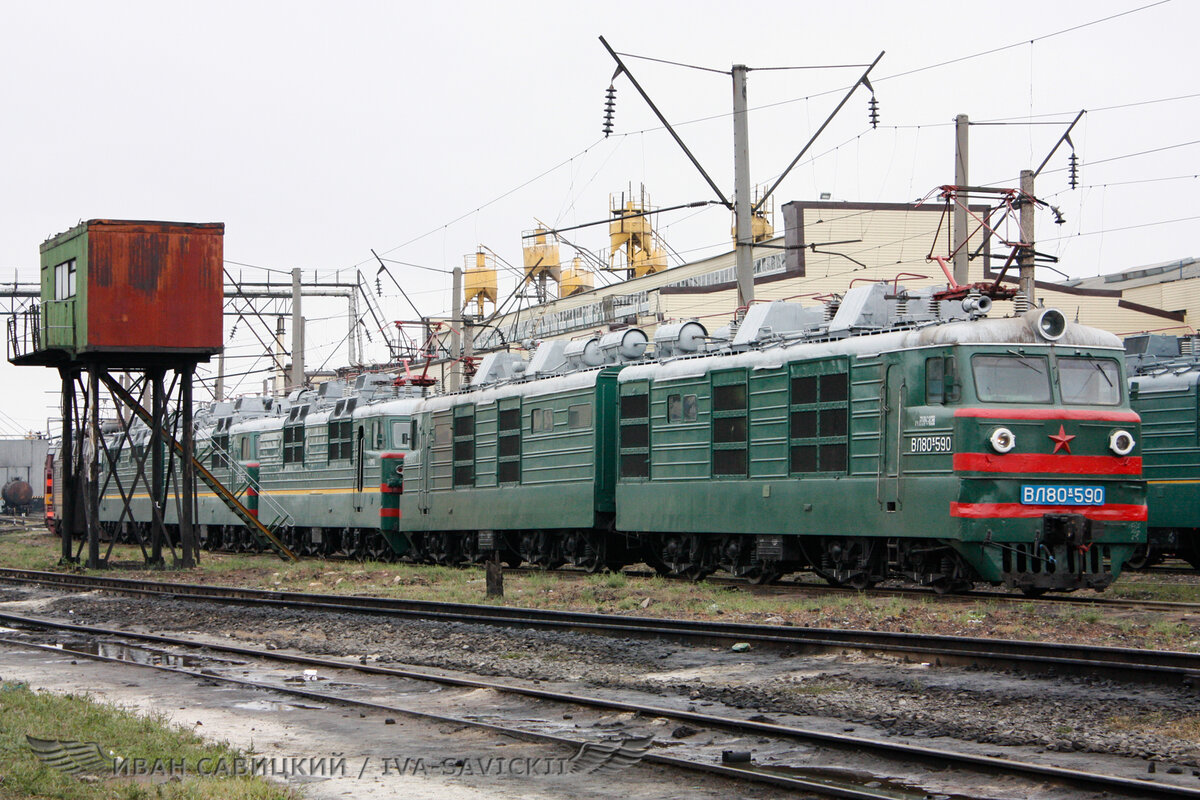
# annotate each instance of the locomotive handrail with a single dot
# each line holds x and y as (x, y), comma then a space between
(209, 479)
(282, 517)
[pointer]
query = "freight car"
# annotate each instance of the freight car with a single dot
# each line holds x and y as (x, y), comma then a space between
(1164, 388)
(872, 439)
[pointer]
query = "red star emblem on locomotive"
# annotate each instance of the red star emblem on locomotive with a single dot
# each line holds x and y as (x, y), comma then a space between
(1062, 439)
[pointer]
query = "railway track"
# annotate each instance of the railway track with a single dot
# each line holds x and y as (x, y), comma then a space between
(1126, 664)
(902, 755)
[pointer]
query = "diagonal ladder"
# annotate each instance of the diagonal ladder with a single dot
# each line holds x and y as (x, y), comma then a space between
(262, 532)
(280, 517)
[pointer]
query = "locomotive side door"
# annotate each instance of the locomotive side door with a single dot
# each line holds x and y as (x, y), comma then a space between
(424, 440)
(891, 415)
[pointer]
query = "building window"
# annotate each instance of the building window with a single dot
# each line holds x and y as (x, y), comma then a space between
(819, 418)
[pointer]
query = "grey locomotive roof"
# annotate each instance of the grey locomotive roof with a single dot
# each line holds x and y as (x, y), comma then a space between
(1167, 378)
(1009, 330)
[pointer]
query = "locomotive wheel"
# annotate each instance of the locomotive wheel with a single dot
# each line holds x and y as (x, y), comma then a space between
(762, 576)
(860, 581)
(444, 549)
(1033, 591)
(953, 586)
(1143, 558)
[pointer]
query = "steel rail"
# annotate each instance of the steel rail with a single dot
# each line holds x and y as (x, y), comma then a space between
(905, 752)
(1124, 663)
(752, 774)
(797, 587)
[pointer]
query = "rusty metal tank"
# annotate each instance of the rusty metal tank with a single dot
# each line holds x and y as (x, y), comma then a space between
(17, 494)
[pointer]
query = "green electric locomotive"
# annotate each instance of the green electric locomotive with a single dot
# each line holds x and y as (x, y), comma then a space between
(891, 434)
(1164, 373)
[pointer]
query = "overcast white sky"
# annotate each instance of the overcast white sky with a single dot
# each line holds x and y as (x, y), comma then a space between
(317, 131)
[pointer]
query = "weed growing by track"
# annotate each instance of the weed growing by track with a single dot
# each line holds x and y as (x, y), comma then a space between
(654, 596)
(120, 733)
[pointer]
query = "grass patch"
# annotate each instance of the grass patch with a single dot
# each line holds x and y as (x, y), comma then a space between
(124, 733)
(1186, 728)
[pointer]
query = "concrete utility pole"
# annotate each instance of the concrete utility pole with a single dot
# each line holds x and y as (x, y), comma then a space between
(297, 334)
(280, 375)
(456, 329)
(353, 320)
(743, 247)
(1028, 233)
(961, 267)
(219, 393)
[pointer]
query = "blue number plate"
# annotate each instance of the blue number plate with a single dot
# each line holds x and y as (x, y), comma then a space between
(1062, 495)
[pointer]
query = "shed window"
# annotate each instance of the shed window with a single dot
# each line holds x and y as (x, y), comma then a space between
(819, 417)
(64, 280)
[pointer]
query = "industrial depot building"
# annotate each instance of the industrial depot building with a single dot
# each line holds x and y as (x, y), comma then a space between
(867, 242)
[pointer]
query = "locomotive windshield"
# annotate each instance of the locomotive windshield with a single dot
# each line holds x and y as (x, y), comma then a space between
(1011, 379)
(1089, 380)
(1019, 378)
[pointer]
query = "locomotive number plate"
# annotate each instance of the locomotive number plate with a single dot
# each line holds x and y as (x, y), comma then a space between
(931, 444)
(1062, 495)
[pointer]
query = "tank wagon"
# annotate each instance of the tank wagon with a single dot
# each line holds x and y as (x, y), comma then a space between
(890, 434)
(21, 467)
(1164, 374)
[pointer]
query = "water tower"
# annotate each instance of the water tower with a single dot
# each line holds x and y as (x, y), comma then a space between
(144, 299)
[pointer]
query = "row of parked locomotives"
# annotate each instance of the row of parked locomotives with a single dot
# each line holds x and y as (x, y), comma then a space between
(890, 435)
(307, 465)
(1164, 388)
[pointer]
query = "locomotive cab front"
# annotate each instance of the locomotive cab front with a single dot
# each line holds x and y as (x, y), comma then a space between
(1046, 464)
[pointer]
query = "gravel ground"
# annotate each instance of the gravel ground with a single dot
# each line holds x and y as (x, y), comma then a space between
(910, 700)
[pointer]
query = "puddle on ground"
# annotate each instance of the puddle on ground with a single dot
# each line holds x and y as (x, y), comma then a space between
(273, 705)
(839, 778)
(121, 651)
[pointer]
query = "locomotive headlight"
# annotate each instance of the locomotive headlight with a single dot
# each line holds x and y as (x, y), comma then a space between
(1002, 440)
(1121, 442)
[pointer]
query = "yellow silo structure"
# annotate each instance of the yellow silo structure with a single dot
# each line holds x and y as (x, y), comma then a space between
(479, 280)
(541, 256)
(577, 278)
(634, 246)
(762, 223)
